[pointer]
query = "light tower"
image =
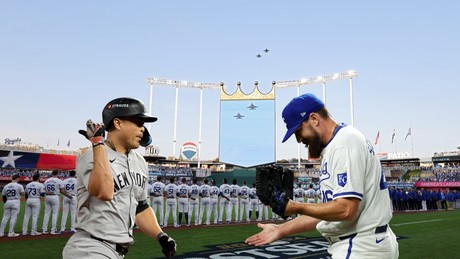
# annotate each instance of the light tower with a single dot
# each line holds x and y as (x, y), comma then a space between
(182, 84)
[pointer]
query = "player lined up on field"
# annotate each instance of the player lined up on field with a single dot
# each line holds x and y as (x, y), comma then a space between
(33, 192)
(182, 201)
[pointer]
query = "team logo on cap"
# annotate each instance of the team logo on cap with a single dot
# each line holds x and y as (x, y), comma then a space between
(303, 114)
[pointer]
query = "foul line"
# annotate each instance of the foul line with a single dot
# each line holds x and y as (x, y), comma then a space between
(416, 222)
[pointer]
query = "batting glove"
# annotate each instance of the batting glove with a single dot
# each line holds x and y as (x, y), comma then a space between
(168, 244)
(95, 132)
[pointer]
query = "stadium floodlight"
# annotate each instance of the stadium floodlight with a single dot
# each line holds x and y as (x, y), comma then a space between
(350, 74)
(317, 79)
(182, 84)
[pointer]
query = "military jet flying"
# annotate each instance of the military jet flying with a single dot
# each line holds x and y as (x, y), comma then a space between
(239, 116)
(266, 50)
(258, 56)
(252, 107)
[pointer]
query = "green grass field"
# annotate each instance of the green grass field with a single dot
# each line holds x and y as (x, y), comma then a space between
(426, 235)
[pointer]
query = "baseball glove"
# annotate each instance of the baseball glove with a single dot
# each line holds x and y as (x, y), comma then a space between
(274, 187)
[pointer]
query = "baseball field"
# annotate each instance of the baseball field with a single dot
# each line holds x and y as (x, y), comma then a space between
(422, 235)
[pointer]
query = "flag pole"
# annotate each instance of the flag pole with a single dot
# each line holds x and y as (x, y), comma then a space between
(412, 142)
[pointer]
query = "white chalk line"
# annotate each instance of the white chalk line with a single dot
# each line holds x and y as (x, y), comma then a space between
(416, 222)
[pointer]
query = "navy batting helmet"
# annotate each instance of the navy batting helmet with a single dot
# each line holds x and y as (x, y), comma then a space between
(127, 107)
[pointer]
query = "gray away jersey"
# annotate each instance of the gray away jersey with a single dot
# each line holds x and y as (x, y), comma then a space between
(112, 220)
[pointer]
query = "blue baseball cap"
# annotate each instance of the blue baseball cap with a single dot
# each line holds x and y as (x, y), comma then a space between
(298, 110)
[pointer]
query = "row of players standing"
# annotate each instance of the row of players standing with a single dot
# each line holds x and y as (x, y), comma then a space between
(204, 200)
(33, 192)
(422, 200)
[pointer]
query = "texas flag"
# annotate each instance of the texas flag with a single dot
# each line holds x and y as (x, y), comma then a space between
(31, 160)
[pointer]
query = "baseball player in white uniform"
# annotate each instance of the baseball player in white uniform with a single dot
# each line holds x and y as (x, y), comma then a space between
(34, 191)
(234, 203)
(214, 201)
(194, 201)
(170, 192)
(244, 201)
(205, 202)
(158, 201)
(355, 211)
(112, 185)
(183, 193)
(149, 194)
(299, 193)
(224, 193)
(11, 193)
(53, 189)
(253, 202)
(310, 193)
(319, 197)
(69, 202)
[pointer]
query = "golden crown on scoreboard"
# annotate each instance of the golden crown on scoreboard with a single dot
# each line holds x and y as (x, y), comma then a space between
(256, 94)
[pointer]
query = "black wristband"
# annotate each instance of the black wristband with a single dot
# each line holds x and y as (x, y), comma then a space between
(160, 235)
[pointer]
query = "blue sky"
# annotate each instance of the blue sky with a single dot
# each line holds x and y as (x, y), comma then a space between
(62, 61)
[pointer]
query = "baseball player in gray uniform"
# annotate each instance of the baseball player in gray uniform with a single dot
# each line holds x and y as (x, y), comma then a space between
(224, 193)
(112, 186)
(171, 191)
(53, 190)
(11, 193)
(183, 193)
(244, 201)
(355, 211)
(194, 201)
(34, 191)
(214, 201)
(158, 201)
(69, 202)
(205, 202)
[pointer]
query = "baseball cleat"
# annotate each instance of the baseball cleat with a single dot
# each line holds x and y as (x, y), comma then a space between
(55, 233)
(13, 234)
(35, 234)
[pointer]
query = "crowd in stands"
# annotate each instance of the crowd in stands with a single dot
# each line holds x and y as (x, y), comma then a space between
(170, 171)
(31, 172)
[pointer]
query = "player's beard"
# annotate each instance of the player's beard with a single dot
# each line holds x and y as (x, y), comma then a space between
(315, 145)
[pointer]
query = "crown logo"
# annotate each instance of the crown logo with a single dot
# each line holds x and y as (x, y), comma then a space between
(256, 94)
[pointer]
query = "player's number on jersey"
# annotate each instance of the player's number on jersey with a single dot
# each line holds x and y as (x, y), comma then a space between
(157, 190)
(32, 191)
(70, 187)
(10, 193)
(50, 187)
